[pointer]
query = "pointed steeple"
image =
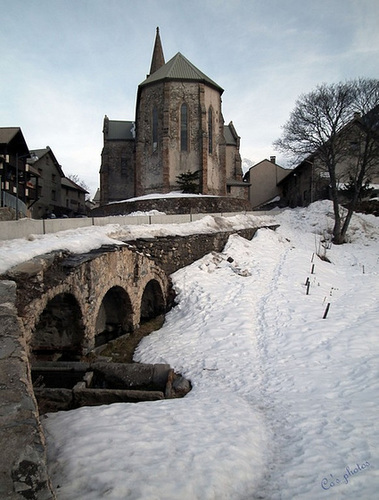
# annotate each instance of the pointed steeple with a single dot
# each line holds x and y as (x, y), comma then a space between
(157, 60)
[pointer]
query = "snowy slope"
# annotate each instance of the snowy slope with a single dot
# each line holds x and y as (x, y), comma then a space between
(284, 402)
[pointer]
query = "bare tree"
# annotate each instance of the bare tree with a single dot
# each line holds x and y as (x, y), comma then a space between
(75, 178)
(337, 127)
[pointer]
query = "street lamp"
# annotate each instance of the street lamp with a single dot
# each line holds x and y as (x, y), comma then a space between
(29, 155)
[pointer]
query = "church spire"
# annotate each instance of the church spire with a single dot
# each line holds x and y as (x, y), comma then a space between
(157, 60)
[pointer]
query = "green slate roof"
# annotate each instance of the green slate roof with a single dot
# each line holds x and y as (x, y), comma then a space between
(120, 130)
(180, 68)
(229, 137)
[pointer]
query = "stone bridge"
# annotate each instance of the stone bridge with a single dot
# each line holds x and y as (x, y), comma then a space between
(61, 306)
(70, 304)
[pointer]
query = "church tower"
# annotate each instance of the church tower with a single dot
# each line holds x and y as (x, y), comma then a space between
(178, 128)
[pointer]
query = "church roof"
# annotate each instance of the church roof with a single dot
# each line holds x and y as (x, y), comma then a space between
(180, 68)
(120, 130)
(230, 134)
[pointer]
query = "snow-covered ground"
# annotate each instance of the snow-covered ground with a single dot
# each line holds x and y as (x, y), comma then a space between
(284, 402)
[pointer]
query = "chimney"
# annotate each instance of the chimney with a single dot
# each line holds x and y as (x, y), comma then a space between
(273, 159)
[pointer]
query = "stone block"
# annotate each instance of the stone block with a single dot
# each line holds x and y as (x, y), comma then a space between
(8, 291)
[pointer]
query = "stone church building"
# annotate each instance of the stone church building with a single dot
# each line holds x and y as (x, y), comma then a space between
(178, 128)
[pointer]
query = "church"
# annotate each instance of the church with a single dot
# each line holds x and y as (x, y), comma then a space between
(178, 129)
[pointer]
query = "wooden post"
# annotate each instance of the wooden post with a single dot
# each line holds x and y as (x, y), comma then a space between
(326, 311)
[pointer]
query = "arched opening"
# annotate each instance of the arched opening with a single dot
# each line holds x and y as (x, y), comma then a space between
(153, 302)
(115, 316)
(59, 332)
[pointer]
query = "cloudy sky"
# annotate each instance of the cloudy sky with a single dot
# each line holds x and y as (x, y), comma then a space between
(66, 63)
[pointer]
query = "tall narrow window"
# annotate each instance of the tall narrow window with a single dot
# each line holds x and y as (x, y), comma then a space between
(124, 166)
(210, 131)
(155, 128)
(184, 127)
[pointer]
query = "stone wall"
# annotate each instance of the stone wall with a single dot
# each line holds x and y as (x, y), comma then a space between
(174, 252)
(180, 205)
(117, 170)
(23, 469)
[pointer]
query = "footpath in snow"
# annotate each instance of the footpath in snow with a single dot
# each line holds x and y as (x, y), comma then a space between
(284, 402)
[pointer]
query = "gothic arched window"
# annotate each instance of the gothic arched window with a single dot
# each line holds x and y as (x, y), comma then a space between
(155, 128)
(184, 127)
(210, 131)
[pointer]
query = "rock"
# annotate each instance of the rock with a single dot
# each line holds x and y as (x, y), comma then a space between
(180, 387)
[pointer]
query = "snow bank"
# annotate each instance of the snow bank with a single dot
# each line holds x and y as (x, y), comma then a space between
(284, 402)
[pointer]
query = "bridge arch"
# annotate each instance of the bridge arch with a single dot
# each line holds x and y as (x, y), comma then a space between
(59, 328)
(153, 301)
(114, 316)
(108, 290)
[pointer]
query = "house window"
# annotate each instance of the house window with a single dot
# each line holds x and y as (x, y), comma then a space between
(53, 178)
(184, 127)
(210, 131)
(53, 195)
(155, 128)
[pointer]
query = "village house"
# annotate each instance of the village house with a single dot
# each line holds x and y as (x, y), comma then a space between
(32, 182)
(58, 196)
(263, 179)
(48, 200)
(18, 180)
(178, 128)
(309, 181)
(73, 198)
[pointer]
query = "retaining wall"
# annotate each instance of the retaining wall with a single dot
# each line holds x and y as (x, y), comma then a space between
(24, 227)
(174, 252)
(23, 470)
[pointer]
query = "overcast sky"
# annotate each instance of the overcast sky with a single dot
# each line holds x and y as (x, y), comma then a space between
(64, 64)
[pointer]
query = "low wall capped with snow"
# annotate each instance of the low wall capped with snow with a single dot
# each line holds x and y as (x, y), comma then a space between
(172, 205)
